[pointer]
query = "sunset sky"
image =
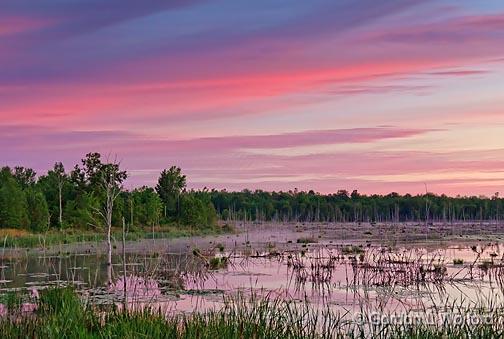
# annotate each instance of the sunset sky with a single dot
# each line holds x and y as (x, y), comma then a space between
(377, 96)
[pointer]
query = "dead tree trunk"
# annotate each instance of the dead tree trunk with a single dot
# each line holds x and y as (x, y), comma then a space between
(60, 201)
(112, 179)
(125, 275)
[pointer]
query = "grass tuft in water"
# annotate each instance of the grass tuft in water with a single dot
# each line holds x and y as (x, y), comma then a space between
(61, 314)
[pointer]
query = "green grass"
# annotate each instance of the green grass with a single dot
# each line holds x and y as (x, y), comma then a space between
(52, 238)
(12, 299)
(61, 314)
(216, 263)
(307, 241)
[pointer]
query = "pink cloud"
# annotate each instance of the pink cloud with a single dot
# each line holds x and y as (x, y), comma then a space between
(225, 162)
(205, 98)
(203, 89)
(470, 28)
(456, 73)
(20, 137)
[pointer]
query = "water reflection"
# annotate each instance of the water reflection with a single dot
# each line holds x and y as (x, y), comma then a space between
(400, 279)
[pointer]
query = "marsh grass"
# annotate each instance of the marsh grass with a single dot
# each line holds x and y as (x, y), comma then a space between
(216, 263)
(458, 261)
(12, 299)
(62, 314)
(352, 249)
(307, 241)
(25, 239)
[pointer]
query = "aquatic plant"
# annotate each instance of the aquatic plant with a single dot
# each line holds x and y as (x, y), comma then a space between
(61, 314)
(352, 249)
(307, 241)
(216, 263)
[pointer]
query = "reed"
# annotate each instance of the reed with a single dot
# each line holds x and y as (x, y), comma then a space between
(62, 314)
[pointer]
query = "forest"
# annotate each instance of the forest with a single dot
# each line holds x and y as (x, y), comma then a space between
(343, 206)
(91, 195)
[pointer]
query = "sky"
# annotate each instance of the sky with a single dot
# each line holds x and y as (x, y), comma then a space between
(377, 96)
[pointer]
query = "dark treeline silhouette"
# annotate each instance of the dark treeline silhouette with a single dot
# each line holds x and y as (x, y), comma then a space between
(353, 207)
(91, 195)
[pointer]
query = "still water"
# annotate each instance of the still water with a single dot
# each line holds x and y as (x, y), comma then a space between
(324, 274)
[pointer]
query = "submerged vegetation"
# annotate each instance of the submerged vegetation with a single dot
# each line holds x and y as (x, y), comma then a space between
(458, 261)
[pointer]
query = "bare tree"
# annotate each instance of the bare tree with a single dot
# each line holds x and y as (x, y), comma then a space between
(427, 209)
(125, 275)
(111, 179)
(59, 171)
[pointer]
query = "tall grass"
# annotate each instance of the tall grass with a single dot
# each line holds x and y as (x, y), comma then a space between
(61, 314)
(25, 239)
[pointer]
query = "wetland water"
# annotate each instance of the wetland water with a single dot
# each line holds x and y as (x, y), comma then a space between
(340, 266)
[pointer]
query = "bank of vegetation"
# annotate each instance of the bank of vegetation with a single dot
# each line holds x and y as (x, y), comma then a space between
(91, 197)
(343, 206)
(60, 313)
(67, 206)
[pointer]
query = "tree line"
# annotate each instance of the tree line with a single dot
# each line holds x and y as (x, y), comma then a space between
(343, 206)
(91, 195)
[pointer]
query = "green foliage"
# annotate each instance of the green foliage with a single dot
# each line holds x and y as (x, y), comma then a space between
(197, 211)
(79, 199)
(82, 193)
(101, 183)
(53, 184)
(216, 263)
(170, 185)
(79, 212)
(94, 174)
(12, 299)
(25, 177)
(61, 314)
(38, 212)
(71, 235)
(307, 241)
(343, 206)
(13, 206)
(146, 206)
